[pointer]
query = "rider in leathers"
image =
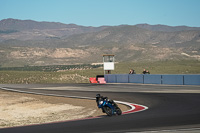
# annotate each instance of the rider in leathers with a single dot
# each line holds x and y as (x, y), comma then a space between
(99, 97)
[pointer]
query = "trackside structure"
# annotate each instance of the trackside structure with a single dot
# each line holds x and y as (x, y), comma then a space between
(108, 66)
(108, 63)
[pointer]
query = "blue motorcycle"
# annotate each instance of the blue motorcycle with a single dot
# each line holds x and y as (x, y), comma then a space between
(108, 106)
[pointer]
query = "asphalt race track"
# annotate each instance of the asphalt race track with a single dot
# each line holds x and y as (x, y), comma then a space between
(170, 108)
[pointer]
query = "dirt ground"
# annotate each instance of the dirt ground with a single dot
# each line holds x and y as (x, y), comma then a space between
(18, 109)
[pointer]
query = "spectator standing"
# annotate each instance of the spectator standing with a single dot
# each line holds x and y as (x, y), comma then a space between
(132, 71)
(144, 71)
(147, 72)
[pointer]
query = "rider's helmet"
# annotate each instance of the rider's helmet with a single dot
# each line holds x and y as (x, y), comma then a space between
(98, 95)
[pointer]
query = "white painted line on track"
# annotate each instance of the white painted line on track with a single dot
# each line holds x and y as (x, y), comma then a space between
(29, 92)
(186, 130)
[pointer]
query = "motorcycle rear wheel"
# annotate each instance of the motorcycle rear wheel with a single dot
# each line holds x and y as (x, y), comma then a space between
(118, 111)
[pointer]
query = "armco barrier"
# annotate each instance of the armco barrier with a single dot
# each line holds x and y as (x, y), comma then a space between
(171, 79)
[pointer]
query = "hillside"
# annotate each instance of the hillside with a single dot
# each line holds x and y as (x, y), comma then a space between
(166, 28)
(33, 30)
(126, 35)
(27, 42)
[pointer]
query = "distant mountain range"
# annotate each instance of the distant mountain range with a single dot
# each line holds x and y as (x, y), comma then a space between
(33, 30)
(28, 42)
(166, 28)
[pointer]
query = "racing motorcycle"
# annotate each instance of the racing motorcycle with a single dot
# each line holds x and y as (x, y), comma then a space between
(108, 106)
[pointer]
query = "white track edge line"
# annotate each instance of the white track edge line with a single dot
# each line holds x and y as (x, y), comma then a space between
(172, 130)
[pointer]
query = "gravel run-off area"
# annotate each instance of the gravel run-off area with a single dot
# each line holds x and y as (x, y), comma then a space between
(19, 109)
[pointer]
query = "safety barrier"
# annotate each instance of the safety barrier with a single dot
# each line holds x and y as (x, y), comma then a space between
(171, 79)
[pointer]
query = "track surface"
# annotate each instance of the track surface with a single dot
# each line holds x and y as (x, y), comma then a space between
(170, 108)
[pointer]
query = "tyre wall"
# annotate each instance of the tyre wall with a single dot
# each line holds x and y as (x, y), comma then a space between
(171, 79)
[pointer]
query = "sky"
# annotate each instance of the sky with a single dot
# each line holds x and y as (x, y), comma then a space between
(105, 12)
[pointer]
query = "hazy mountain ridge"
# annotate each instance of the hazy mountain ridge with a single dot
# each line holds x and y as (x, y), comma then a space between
(132, 35)
(33, 30)
(166, 28)
(48, 43)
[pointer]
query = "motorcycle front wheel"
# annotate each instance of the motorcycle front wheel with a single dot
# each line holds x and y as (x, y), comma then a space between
(108, 110)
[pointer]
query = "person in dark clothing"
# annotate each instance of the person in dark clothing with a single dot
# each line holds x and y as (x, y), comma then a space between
(147, 72)
(132, 71)
(99, 97)
(102, 98)
(144, 71)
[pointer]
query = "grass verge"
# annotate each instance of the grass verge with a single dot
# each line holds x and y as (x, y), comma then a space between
(82, 76)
